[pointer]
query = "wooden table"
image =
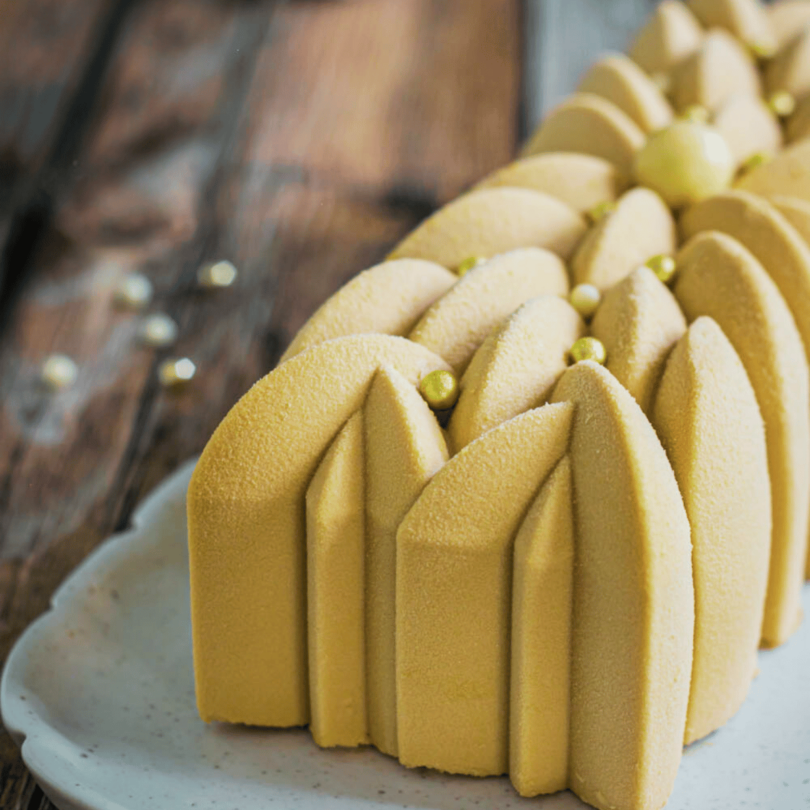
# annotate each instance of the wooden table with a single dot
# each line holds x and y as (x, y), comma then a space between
(300, 140)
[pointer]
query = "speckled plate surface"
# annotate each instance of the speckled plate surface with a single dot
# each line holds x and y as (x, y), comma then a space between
(99, 693)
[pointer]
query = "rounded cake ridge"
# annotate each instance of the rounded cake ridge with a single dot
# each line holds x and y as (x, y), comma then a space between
(486, 546)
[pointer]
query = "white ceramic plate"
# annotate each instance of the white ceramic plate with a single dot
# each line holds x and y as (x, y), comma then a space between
(99, 693)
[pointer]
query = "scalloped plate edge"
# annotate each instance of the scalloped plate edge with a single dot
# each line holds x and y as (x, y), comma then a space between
(27, 728)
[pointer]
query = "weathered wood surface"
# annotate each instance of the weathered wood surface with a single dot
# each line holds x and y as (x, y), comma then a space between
(44, 46)
(48, 49)
(300, 140)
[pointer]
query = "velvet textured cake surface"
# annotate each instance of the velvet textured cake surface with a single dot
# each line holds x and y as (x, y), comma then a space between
(566, 576)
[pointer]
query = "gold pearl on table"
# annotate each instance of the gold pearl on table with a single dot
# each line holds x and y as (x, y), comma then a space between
(439, 389)
(468, 264)
(755, 161)
(134, 291)
(781, 103)
(685, 163)
(601, 210)
(696, 113)
(585, 299)
(176, 371)
(158, 330)
(59, 372)
(663, 266)
(589, 348)
(217, 275)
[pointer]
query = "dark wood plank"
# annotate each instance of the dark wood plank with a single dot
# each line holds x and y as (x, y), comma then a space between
(44, 48)
(437, 82)
(78, 442)
(52, 60)
(181, 167)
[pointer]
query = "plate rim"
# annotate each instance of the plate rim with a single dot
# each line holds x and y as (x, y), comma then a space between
(26, 729)
(29, 728)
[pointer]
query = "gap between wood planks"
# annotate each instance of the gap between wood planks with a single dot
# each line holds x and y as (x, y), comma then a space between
(42, 173)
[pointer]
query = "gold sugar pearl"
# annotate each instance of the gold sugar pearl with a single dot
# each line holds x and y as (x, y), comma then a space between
(663, 266)
(685, 163)
(585, 299)
(134, 291)
(781, 103)
(217, 275)
(176, 371)
(761, 51)
(59, 372)
(755, 161)
(696, 113)
(601, 210)
(439, 389)
(589, 348)
(468, 264)
(158, 330)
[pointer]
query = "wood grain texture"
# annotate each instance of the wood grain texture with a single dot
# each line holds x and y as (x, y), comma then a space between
(52, 56)
(301, 141)
(44, 46)
(67, 480)
(427, 102)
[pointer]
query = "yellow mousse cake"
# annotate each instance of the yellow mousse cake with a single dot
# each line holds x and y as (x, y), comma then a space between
(527, 497)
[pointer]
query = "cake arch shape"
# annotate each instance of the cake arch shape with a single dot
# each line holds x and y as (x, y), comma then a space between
(757, 224)
(796, 212)
(640, 226)
(720, 68)
(631, 645)
(246, 525)
(336, 566)
(621, 81)
(460, 321)
(454, 570)
(748, 127)
(386, 299)
(540, 655)
(720, 278)
(790, 69)
(671, 35)
(786, 18)
(639, 322)
(747, 20)
(591, 125)
(488, 221)
(581, 181)
(515, 368)
(707, 417)
(405, 447)
(787, 175)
